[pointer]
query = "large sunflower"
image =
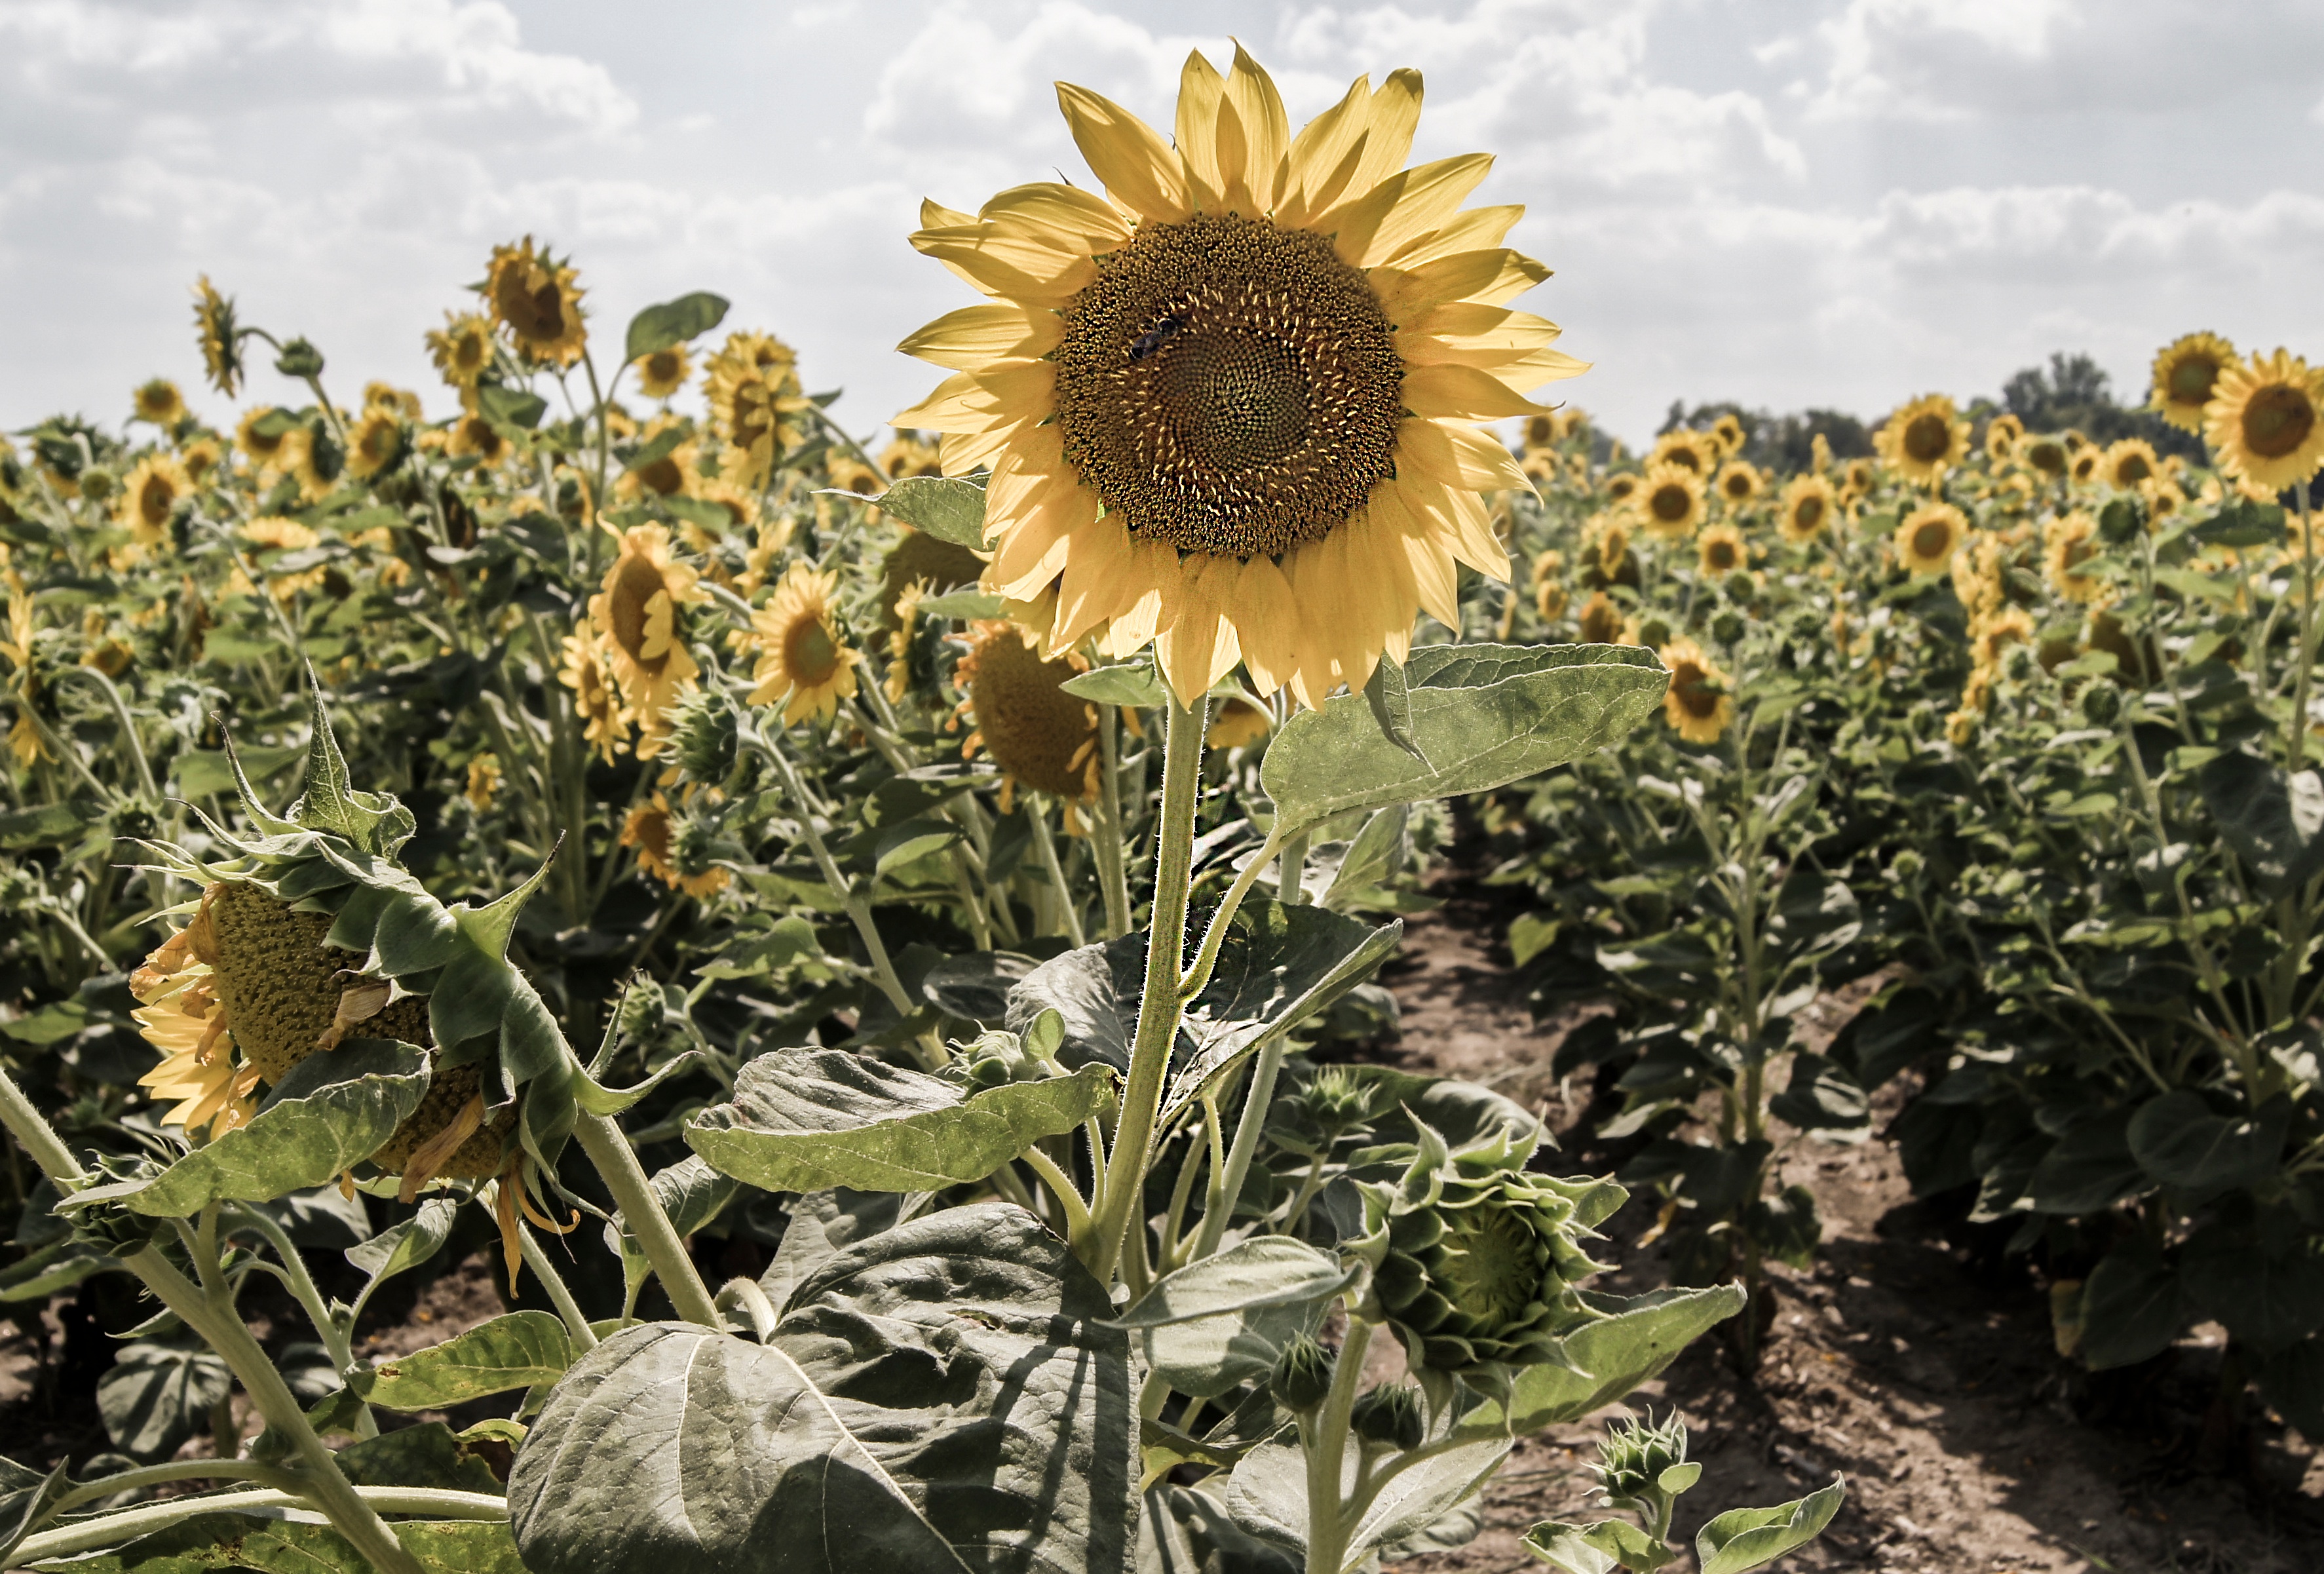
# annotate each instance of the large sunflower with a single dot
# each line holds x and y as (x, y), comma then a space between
(536, 298)
(1808, 507)
(1670, 504)
(637, 614)
(2264, 423)
(804, 658)
(1929, 536)
(2186, 370)
(1923, 439)
(1232, 405)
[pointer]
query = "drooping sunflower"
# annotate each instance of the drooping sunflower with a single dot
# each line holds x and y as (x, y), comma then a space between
(1688, 449)
(1977, 567)
(153, 489)
(1738, 483)
(1230, 406)
(384, 396)
(1549, 584)
(2003, 434)
(1929, 536)
(664, 372)
(538, 299)
(462, 350)
(2082, 464)
(270, 444)
(376, 443)
(1670, 504)
(1923, 439)
(2048, 455)
(1039, 735)
(1622, 488)
(1602, 620)
(2068, 544)
(1991, 635)
(1722, 551)
(1698, 704)
(2129, 463)
(755, 404)
(2186, 372)
(597, 696)
(652, 829)
(804, 660)
(220, 340)
(158, 403)
(636, 611)
(472, 434)
(2263, 419)
(1238, 722)
(1809, 504)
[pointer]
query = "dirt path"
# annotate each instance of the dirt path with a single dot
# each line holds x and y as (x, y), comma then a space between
(1913, 1359)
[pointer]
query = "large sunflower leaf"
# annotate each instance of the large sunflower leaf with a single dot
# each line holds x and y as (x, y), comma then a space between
(805, 1120)
(334, 1110)
(945, 507)
(518, 1349)
(943, 1395)
(1613, 1355)
(1479, 730)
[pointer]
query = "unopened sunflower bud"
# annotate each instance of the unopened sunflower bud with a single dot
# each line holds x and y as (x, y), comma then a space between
(1301, 1374)
(299, 359)
(706, 736)
(1741, 586)
(1635, 1457)
(1907, 864)
(97, 484)
(1728, 626)
(2101, 703)
(1391, 1416)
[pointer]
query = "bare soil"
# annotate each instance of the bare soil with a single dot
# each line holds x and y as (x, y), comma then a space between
(1916, 1359)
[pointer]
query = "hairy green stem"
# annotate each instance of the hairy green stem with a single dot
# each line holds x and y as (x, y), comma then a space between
(617, 1164)
(113, 1529)
(1113, 848)
(584, 1337)
(1037, 811)
(1229, 1189)
(1324, 1435)
(301, 1285)
(1214, 935)
(1061, 1186)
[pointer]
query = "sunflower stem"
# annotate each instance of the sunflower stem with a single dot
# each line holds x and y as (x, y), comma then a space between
(1206, 959)
(111, 1529)
(605, 439)
(1228, 1191)
(642, 1211)
(1160, 1005)
(1324, 1435)
(2298, 743)
(1039, 814)
(335, 1336)
(859, 912)
(1112, 859)
(1291, 883)
(584, 1337)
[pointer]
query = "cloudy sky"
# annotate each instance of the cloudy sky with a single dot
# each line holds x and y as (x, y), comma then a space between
(1832, 202)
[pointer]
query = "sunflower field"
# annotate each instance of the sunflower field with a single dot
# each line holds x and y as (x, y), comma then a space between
(864, 941)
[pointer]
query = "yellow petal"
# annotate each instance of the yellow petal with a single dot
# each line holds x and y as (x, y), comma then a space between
(1488, 277)
(1449, 535)
(1463, 393)
(1325, 154)
(1137, 167)
(1478, 229)
(1266, 128)
(1036, 544)
(958, 403)
(1030, 466)
(964, 453)
(972, 335)
(1024, 390)
(935, 215)
(1089, 591)
(1200, 646)
(1059, 215)
(1425, 198)
(1200, 93)
(1002, 262)
(1387, 141)
(1267, 624)
(1144, 599)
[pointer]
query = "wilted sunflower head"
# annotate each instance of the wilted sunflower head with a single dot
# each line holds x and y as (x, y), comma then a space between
(1809, 505)
(804, 660)
(1929, 536)
(1923, 439)
(1670, 501)
(755, 404)
(1722, 551)
(151, 491)
(220, 341)
(2129, 463)
(158, 403)
(1220, 401)
(636, 611)
(462, 350)
(1602, 620)
(2266, 420)
(664, 372)
(2186, 372)
(538, 299)
(1039, 735)
(1738, 483)
(1698, 704)
(376, 443)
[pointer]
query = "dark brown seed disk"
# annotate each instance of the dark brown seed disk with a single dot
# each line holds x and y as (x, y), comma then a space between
(1229, 387)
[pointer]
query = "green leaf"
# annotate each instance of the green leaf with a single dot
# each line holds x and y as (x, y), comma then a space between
(1750, 1538)
(426, 1456)
(2181, 1142)
(334, 1109)
(51, 1024)
(1391, 705)
(373, 822)
(1266, 1495)
(803, 1120)
(2090, 1169)
(2242, 524)
(1630, 1345)
(404, 1245)
(913, 840)
(963, 605)
(1530, 934)
(2274, 822)
(157, 1394)
(942, 1397)
(946, 508)
(201, 773)
(46, 825)
(1134, 683)
(1570, 1548)
(2270, 1300)
(273, 1545)
(516, 1350)
(1823, 1096)
(691, 1193)
(1216, 1324)
(1424, 1494)
(2130, 1307)
(673, 322)
(1579, 699)
(518, 407)
(1371, 860)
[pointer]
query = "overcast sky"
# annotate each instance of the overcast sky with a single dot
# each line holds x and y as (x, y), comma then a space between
(1817, 202)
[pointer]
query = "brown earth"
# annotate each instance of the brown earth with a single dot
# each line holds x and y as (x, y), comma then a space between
(1913, 1359)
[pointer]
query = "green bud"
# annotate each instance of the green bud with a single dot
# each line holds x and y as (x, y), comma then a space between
(2101, 703)
(2121, 520)
(97, 484)
(1907, 864)
(693, 847)
(1301, 1374)
(642, 1012)
(2017, 665)
(1634, 1455)
(1653, 632)
(704, 734)
(994, 1059)
(1741, 586)
(299, 359)
(1390, 1417)
(1335, 1100)
(1727, 627)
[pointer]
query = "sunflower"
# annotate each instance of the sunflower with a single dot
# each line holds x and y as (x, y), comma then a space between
(278, 535)
(1231, 406)
(463, 350)
(387, 396)
(2186, 372)
(159, 403)
(1993, 633)
(151, 493)
(597, 696)
(270, 451)
(1541, 431)
(2003, 434)
(2263, 421)
(483, 781)
(1857, 480)
(1819, 454)
(1238, 722)
(1549, 599)
(1688, 449)
(755, 404)
(180, 1014)
(930, 561)
(535, 297)
(636, 613)
(2164, 497)
(741, 508)
(2048, 455)
(1670, 504)
(376, 443)
(1923, 439)
(1728, 429)
(908, 455)
(1738, 483)
(1602, 620)
(221, 342)
(1622, 487)
(1978, 566)
(2069, 542)
(664, 372)
(1808, 506)
(200, 456)
(650, 828)
(2082, 468)
(765, 553)
(1606, 549)
(1697, 704)
(846, 473)
(1929, 536)
(2128, 463)
(472, 434)
(1723, 551)
(804, 658)
(673, 475)
(1039, 735)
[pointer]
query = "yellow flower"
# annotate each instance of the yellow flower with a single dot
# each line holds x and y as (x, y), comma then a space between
(1238, 722)
(596, 698)
(278, 535)
(1976, 572)
(376, 443)
(1723, 551)
(472, 434)
(1856, 481)
(1993, 633)
(1819, 454)
(804, 658)
(1739, 481)
(755, 404)
(379, 395)
(535, 298)
(220, 341)
(484, 780)
(1697, 705)
(153, 489)
(1809, 504)
(2263, 421)
(1039, 735)
(1923, 439)
(2128, 463)
(765, 553)
(200, 456)
(2048, 455)
(1929, 536)
(2068, 544)
(1606, 548)
(664, 372)
(158, 403)
(179, 1014)
(2186, 372)
(2002, 434)
(672, 475)
(1602, 620)
(850, 474)
(908, 455)
(741, 508)
(271, 452)
(1687, 449)
(1728, 429)
(648, 829)
(1670, 504)
(636, 611)
(2164, 497)
(462, 350)
(1621, 488)
(2083, 465)
(1232, 405)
